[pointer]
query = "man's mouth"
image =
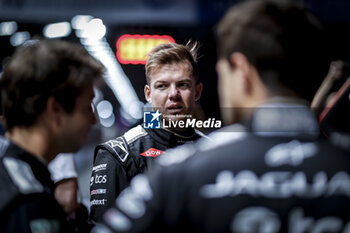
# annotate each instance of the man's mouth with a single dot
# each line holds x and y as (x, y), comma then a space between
(174, 109)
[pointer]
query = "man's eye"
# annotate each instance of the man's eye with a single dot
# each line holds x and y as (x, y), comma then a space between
(184, 85)
(160, 86)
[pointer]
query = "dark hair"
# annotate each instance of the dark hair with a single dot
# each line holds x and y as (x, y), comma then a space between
(281, 39)
(172, 53)
(42, 69)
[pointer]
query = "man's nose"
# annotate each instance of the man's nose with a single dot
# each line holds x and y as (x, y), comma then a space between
(174, 92)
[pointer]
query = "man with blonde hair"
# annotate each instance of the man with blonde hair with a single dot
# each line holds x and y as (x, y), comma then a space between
(172, 89)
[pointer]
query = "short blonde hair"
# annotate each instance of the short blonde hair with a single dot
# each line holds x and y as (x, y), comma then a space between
(172, 53)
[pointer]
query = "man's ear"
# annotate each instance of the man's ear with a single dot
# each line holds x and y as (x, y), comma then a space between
(254, 89)
(198, 93)
(147, 91)
(243, 67)
(54, 110)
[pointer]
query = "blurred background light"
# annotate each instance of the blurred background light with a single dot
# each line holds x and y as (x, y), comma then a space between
(8, 28)
(94, 29)
(19, 38)
(108, 122)
(104, 109)
(134, 109)
(114, 76)
(133, 49)
(56, 30)
(79, 22)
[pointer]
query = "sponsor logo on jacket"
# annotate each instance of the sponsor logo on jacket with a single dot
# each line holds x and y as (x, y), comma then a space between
(152, 152)
(98, 191)
(99, 167)
(100, 179)
(98, 202)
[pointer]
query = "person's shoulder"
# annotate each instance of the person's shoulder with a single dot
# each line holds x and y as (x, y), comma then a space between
(224, 136)
(119, 147)
(135, 134)
(21, 175)
(4, 144)
(17, 179)
(33, 212)
(207, 144)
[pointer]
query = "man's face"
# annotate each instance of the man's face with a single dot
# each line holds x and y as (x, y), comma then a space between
(173, 90)
(76, 125)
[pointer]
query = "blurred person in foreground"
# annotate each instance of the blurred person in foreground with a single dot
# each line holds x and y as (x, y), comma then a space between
(172, 89)
(279, 176)
(46, 93)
